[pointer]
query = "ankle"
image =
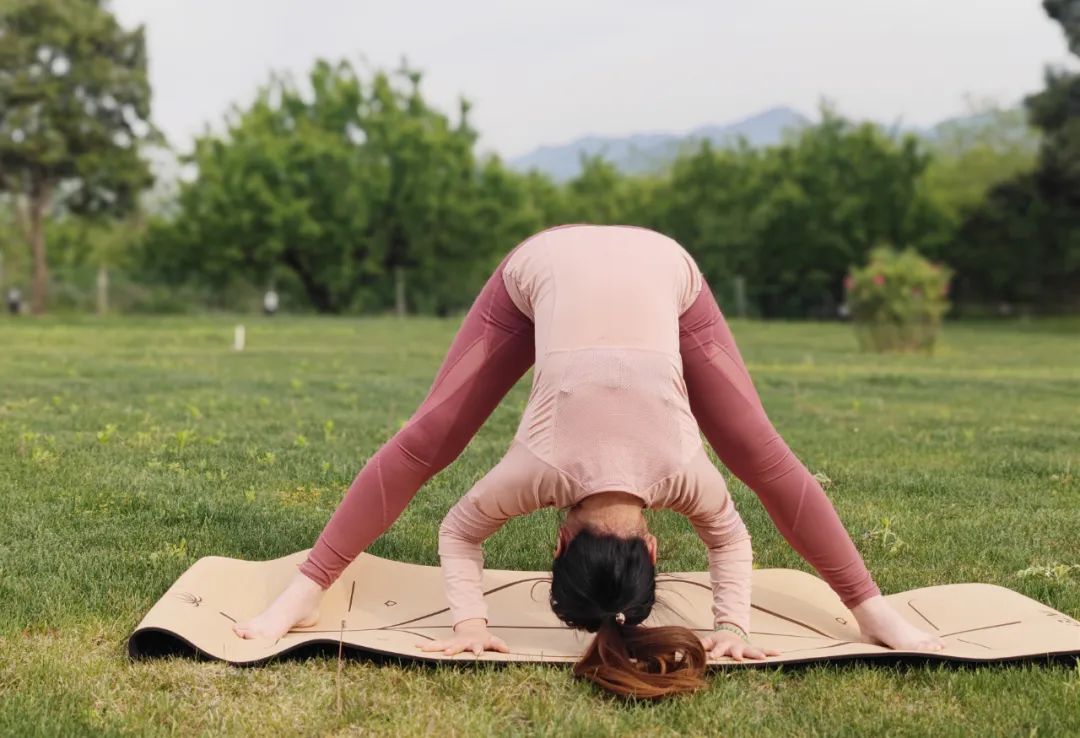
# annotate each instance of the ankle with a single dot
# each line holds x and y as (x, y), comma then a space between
(305, 586)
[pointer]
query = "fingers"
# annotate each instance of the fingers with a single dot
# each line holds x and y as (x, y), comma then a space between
(449, 648)
(737, 651)
(453, 647)
(431, 645)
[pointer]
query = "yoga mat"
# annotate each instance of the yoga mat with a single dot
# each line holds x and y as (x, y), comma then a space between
(384, 607)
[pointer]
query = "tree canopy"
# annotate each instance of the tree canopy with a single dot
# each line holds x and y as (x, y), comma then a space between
(74, 107)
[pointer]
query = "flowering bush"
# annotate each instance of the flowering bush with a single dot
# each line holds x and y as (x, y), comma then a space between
(897, 300)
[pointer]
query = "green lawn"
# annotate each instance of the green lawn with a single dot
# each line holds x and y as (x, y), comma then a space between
(131, 447)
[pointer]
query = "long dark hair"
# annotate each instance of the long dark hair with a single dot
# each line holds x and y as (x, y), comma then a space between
(594, 579)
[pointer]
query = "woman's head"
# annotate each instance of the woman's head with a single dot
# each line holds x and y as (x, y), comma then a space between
(606, 584)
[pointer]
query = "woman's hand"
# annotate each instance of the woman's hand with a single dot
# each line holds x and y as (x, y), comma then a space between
(726, 643)
(469, 635)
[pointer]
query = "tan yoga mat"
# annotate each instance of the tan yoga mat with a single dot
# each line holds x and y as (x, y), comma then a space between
(385, 607)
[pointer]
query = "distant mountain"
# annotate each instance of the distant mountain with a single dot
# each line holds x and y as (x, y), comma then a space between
(649, 152)
(645, 152)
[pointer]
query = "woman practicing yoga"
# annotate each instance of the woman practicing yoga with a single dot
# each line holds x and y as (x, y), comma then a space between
(630, 349)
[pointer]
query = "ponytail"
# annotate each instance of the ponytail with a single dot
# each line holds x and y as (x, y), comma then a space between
(606, 585)
(647, 663)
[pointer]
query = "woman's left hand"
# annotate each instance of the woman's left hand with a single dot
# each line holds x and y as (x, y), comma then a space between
(726, 643)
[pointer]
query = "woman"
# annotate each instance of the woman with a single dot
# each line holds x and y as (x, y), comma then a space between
(496, 345)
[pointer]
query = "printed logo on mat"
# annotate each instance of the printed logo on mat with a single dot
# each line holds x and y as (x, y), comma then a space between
(1060, 617)
(189, 598)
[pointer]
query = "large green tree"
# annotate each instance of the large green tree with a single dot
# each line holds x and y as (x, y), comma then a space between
(74, 107)
(355, 190)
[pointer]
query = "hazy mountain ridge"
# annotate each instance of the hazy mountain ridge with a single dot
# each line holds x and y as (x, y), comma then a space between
(647, 152)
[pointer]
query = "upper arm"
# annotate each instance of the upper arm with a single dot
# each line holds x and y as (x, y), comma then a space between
(517, 485)
(704, 499)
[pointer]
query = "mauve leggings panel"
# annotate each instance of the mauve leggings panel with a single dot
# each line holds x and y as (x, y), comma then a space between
(729, 411)
(492, 350)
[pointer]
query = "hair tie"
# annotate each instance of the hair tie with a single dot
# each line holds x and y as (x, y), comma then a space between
(620, 618)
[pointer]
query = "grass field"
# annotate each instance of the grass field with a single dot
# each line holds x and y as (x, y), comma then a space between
(131, 447)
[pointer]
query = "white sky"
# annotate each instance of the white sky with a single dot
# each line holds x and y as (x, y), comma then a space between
(547, 72)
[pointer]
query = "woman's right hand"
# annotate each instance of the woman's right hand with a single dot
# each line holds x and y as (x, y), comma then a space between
(725, 643)
(469, 635)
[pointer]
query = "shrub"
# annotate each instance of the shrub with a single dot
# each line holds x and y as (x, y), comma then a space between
(897, 300)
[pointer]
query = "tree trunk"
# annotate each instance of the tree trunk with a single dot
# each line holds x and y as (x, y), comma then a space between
(399, 292)
(318, 293)
(39, 203)
(103, 289)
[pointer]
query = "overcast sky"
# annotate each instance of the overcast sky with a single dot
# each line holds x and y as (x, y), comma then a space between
(547, 72)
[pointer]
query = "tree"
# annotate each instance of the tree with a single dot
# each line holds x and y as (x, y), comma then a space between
(1023, 243)
(355, 191)
(971, 156)
(791, 219)
(708, 204)
(74, 107)
(283, 194)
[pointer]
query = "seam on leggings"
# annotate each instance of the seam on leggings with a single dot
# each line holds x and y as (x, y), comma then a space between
(802, 499)
(435, 406)
(382, 490)
(755, 399)
(455, 362)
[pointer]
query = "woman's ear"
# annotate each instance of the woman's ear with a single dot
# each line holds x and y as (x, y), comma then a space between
(650, 543)
(560, 541)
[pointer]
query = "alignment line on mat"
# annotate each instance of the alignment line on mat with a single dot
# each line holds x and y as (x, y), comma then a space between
(922, 616)
(985, 627)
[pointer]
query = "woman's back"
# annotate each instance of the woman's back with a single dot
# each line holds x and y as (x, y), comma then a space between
(609, 406)
(587, 286)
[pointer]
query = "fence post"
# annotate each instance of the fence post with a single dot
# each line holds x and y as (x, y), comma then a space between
(740, 296)
(103, 289)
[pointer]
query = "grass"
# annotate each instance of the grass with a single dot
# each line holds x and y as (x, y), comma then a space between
(131, 447)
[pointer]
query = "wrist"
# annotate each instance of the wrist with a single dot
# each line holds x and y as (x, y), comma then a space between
(729, 627)
(470, 624)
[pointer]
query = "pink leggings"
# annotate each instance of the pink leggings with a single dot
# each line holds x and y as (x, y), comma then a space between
(494, 348)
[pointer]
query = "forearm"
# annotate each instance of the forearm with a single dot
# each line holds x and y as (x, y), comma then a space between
(461, 554)
(731, 573)
(463, 583)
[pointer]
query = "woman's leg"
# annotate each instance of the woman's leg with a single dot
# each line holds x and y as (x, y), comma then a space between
(492, 350)
(729, 411)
